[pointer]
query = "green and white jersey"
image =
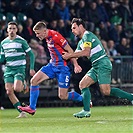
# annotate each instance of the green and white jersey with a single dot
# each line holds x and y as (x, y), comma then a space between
(97, 49)
(14, 51)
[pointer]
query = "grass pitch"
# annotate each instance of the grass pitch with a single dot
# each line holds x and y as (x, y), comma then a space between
(111, 119)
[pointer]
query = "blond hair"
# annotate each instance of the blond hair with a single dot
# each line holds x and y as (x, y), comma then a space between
(39, 25)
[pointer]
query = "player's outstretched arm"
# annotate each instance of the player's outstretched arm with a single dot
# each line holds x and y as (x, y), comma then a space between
(77, 68)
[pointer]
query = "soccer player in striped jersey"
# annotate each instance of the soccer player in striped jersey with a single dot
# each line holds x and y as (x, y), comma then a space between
(57, 67)
(13, 52)
(91, 47)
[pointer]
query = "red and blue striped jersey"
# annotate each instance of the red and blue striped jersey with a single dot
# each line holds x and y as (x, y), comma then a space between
(56, 43)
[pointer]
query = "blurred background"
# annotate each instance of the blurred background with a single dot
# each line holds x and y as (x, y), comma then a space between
(110, 20)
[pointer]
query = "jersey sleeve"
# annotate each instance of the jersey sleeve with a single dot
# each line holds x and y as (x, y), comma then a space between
(78, 48)
(32, 59)
(87, 41)
(2, 54)
(28, 50)
(26, 47)
(61, 40)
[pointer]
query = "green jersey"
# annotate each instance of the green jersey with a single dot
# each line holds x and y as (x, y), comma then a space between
(97, 49)
(14, 52)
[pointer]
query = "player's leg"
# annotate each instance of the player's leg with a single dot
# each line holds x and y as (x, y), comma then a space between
(19, 81)
(21, 86)
(43, 74)
(25, 87)
(105, 80)
(89, 79)
(34, 88)
(63, 78)
(85, 91)
(18, 85)
(10, 92)
(121, 94)
(34, 92)
(9, 86)
(14, 100)
(74, 96)
(116, 92)
(19, 77)
(63, 94)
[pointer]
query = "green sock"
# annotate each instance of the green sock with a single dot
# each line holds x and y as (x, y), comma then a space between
(16, 106)
(121, 94)
(86, 98)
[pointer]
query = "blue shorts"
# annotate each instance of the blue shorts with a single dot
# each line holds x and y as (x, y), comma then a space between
(61, 73)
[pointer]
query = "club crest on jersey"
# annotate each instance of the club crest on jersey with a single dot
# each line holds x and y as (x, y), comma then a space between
(50, 42)
(62, 40)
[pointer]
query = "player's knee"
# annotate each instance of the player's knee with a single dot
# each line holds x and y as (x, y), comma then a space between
(81, 85)
(9, 91)
(62, 97)
(33, 82)
(105, 89)
(18, 88)
(105, 92)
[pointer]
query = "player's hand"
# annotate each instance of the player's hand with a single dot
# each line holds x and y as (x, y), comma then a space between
(66, 55)
(32, 72)
(77, 69)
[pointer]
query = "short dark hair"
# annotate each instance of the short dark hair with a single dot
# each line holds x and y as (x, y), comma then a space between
(39, 25)
(78, 21)
(13, 23)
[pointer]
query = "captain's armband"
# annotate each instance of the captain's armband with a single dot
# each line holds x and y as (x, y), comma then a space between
(87, 44)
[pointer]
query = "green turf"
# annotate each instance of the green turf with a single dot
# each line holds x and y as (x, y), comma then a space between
(112, 119)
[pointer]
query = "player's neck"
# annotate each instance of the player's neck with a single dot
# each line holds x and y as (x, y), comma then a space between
(82, 33)
(12, 37)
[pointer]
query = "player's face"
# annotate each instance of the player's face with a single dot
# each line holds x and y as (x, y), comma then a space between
(75, 29)
(41, 33)
(12, 30)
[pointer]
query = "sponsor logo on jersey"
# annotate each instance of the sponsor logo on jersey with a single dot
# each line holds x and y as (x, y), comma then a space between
(10, 51)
